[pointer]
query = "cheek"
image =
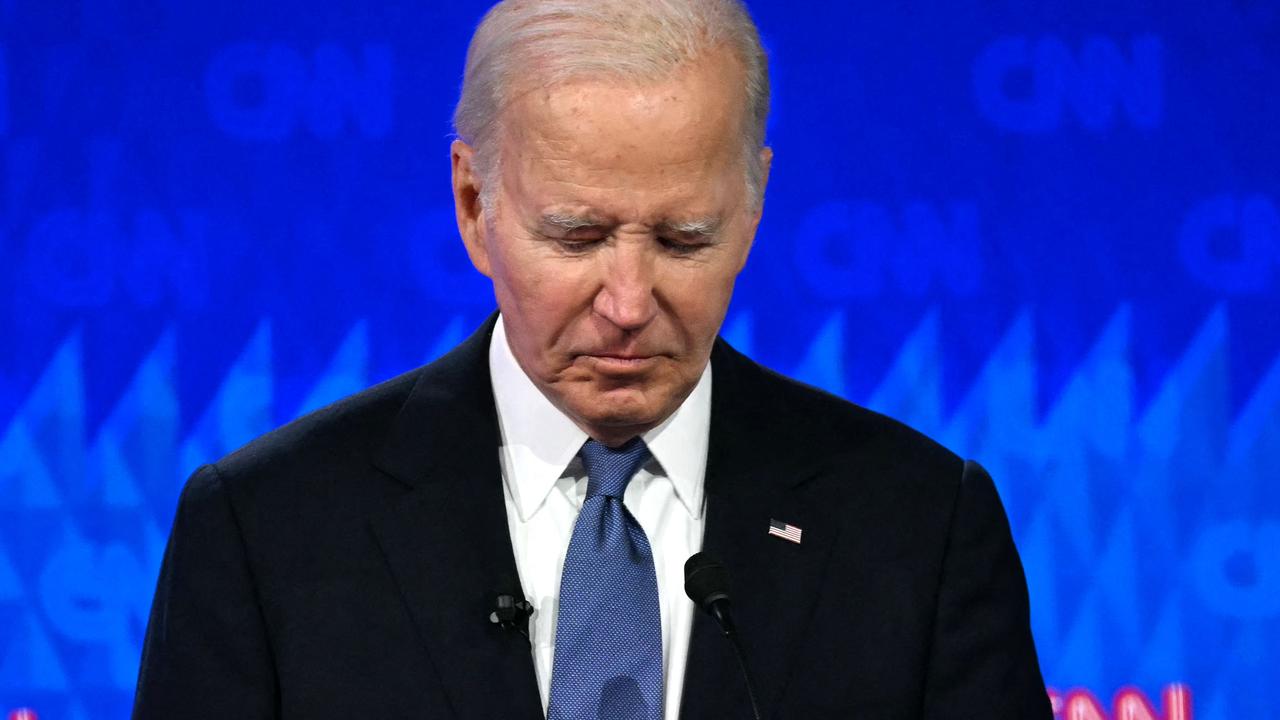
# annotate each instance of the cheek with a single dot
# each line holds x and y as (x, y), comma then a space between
(699, 297)
(520, 277)
(542, 297)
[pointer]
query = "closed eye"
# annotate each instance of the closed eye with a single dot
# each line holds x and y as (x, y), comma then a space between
(683, 247)
(577, 246)
(688, 237)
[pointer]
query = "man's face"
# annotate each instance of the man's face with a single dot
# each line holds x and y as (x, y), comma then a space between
(621, 222)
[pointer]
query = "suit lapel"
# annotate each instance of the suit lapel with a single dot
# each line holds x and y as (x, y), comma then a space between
(759, 468)
(446, 539)
(447, 542)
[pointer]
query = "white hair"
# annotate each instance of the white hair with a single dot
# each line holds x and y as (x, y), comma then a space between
(547, 41)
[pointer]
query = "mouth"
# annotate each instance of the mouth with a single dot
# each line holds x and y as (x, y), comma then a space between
(620, 363)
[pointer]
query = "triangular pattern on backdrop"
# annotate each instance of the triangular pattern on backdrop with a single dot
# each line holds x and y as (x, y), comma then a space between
(11, 586)
(454, 332)
(131, 460)
(241, 408)
(31, 661)
(911, 390)
(740, 332)
(1125, 551)
(823, 363)
(26, 483)
(347, 371)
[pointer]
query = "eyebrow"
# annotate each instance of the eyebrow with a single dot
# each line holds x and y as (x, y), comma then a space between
(567, 222)
(699, 227)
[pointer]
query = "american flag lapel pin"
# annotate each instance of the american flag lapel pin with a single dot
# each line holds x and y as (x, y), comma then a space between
(786, 531)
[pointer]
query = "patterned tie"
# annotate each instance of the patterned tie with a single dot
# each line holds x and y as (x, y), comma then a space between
(608, 654)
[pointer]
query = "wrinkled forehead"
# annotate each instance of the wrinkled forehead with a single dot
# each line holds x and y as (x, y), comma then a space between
(697, 110)
(589, 140)
(712, 82)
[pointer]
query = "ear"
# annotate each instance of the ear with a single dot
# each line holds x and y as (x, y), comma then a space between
(466, 206)
(757, 212)
(766, 165)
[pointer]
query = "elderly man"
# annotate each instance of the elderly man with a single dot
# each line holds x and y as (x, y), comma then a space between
(608, 177)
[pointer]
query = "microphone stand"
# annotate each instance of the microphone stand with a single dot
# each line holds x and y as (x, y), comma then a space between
(746, 674)
(706, 582)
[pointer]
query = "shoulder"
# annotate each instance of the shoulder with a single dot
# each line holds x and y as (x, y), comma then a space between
(351, 426)
(290, 493)
(334, 461)
(351, 431)
(316, 469)
(832, 429)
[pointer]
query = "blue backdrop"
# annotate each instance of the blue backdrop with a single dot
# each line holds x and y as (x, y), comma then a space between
(1046, 233)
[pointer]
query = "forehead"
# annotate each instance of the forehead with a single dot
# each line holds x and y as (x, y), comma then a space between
(613, 142)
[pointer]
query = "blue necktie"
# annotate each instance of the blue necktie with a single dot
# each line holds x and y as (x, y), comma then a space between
(608, 655)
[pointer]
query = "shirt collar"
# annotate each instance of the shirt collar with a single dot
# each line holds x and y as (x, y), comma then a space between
(539, 441)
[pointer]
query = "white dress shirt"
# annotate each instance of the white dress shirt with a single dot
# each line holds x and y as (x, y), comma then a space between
(545, 488)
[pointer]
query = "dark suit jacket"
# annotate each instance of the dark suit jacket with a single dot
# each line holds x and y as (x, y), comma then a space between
(344, 566)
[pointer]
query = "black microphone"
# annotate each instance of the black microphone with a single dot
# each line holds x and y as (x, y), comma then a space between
(706, 582)
(511, 613)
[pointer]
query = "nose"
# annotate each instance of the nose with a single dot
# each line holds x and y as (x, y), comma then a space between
(626, 296)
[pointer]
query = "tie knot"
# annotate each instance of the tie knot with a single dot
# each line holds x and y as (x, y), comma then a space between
(609, 470)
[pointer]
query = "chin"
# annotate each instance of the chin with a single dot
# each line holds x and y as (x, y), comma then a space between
(618, 410)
